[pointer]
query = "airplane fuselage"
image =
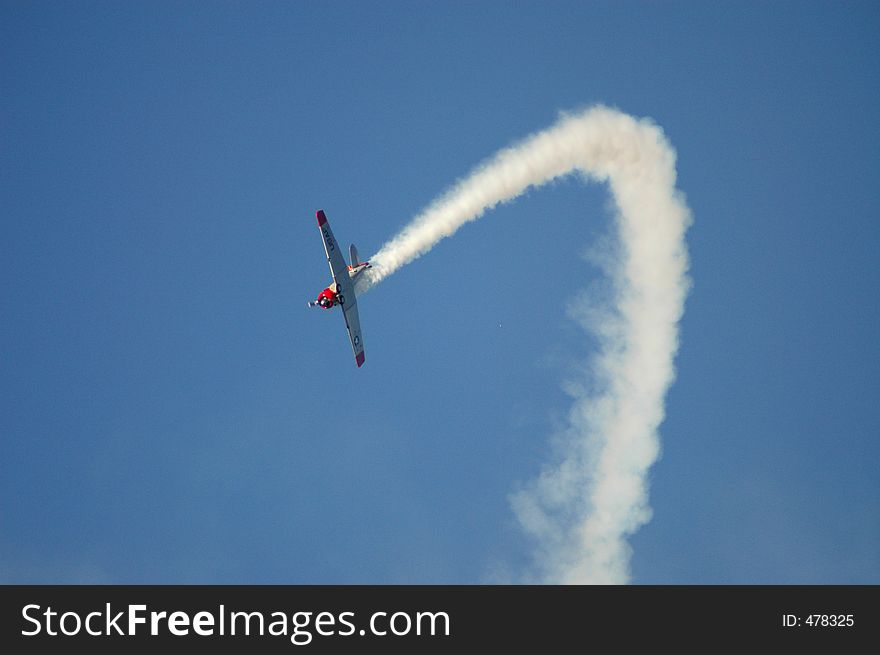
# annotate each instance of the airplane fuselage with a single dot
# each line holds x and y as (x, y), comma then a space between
(330, 297)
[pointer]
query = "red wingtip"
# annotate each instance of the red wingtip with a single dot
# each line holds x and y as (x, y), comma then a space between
(321, 218)
(360, 359)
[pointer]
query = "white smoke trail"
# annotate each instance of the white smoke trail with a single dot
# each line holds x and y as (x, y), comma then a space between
(583, 506)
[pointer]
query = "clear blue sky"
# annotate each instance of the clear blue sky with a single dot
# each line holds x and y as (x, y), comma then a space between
(171, 412)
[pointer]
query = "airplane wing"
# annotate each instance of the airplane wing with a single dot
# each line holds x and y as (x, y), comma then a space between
(338, 267)
(353, 323)
(345, 294)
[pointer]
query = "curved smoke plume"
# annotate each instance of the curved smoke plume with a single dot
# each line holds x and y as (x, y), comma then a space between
(582, 507)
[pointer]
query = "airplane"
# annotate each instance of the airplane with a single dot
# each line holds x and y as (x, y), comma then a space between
(341, 292)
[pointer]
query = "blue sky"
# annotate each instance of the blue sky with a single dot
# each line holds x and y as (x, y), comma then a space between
(170, 411)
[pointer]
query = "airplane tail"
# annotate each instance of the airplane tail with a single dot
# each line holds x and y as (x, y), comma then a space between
(353, 254)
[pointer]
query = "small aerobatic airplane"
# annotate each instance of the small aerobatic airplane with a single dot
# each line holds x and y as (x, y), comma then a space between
(341, 292)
